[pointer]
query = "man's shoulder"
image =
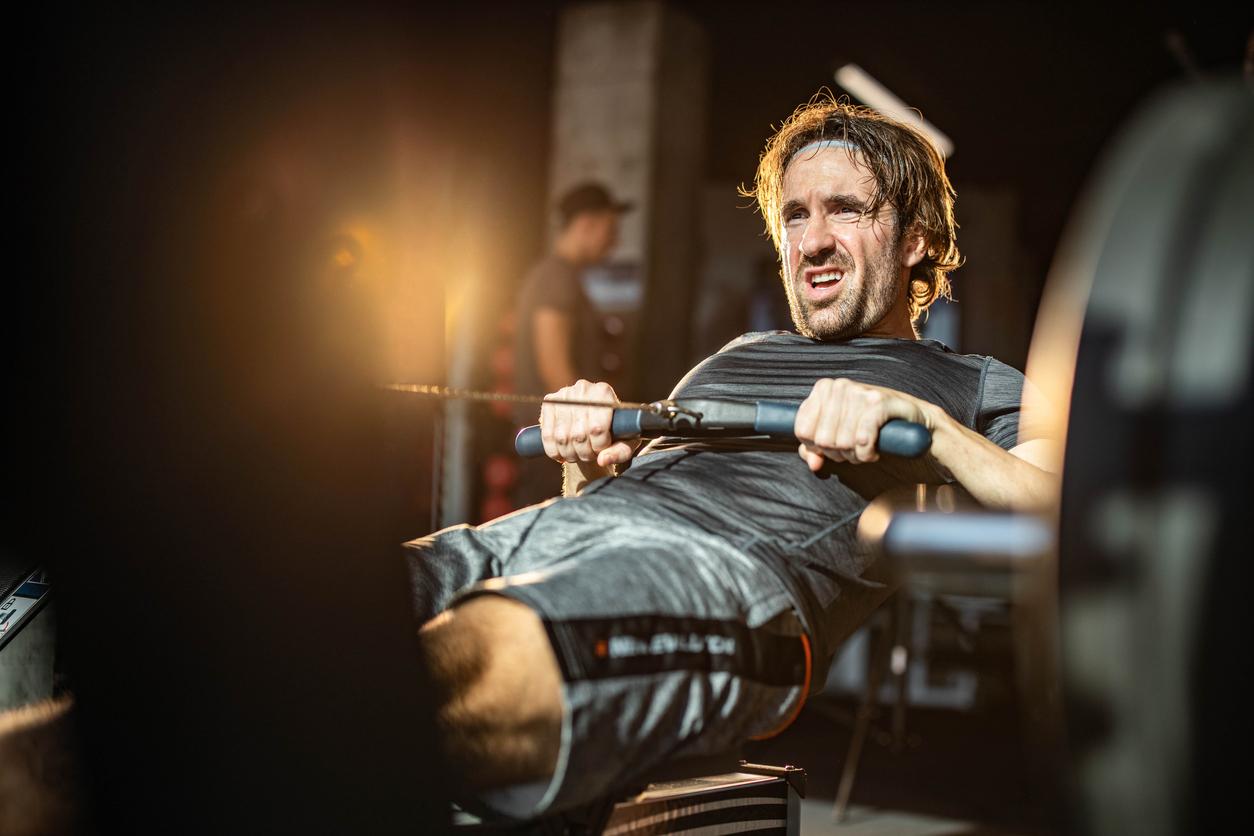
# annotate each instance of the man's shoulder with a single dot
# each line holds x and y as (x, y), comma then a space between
(921, 349)
(894, 356)
(549, 281)
(765, 338)
(854, 345)
(550, 268)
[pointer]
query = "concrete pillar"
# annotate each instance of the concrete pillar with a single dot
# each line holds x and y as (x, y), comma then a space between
(629, 110)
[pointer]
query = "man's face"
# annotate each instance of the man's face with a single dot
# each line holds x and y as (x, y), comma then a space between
(600, 234)
(845, 274)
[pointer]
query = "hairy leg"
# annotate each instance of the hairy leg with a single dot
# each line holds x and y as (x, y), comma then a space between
(500, 706)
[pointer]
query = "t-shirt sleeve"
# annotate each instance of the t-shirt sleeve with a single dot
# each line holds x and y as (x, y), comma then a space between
(551, 287)
(1001, 392)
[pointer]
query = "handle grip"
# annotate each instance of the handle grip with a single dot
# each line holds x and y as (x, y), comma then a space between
(897, 437)
(905, 439)
(626, 423)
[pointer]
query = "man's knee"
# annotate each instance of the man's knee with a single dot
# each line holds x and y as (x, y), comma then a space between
(501, 707)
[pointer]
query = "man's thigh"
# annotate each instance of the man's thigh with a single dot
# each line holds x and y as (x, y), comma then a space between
(667, 648)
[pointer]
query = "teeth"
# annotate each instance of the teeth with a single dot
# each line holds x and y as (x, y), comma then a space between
(825, 278)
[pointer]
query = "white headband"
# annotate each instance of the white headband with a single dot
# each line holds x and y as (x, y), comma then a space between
(823, 144)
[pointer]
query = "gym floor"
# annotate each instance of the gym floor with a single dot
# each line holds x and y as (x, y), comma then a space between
(960, 772)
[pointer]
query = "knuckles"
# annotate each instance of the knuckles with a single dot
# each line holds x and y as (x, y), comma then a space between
(574, 433)
(834, 418)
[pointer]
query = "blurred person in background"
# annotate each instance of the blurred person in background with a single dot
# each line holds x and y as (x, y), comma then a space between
(556, 322)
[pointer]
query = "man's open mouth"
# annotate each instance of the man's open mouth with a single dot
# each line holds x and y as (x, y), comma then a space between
(829, 277)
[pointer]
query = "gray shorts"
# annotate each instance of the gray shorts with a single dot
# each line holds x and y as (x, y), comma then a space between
(671, 644)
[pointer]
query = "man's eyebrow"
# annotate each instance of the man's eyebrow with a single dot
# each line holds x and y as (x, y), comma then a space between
(789, 206)
(850, 200)
(841, 199)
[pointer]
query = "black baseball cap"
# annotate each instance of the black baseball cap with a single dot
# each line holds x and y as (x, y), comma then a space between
(589, 197)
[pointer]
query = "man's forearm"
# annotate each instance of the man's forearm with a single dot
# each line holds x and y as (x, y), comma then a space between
(576, 475)
(551, 340)
(992, 475)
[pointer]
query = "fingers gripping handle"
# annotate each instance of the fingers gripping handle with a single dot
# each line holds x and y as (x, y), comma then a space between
(904, 438)
(897, 437)
(625, 424)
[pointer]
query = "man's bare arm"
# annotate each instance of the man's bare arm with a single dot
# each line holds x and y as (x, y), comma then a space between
(1014, 479)
(840, 420)
(551, 340)
(577, 474)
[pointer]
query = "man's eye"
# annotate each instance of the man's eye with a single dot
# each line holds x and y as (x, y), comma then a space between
(793, 217)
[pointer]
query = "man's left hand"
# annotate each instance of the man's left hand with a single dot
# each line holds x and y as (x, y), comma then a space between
(841, 420)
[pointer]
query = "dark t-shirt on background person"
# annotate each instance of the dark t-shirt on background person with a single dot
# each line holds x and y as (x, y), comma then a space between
(552, 283)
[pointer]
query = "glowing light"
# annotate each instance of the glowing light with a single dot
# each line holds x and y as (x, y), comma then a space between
(344, 258)
(873, 94)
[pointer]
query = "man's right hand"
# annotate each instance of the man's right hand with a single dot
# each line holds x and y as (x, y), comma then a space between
(582, 433)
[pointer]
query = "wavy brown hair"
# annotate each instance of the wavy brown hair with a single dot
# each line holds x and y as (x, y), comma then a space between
(909, 176)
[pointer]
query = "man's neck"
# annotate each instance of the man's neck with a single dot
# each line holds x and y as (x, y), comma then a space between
(896, 325)
(896, 330)
(568, 250)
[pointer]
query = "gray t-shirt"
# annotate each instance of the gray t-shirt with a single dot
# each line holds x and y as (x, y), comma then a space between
(762, 498)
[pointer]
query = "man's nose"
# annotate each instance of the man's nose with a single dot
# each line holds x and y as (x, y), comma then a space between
(816, 238)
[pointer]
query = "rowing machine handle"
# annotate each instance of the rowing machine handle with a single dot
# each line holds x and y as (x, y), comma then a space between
(897, 437)
(905, 439)
(626, 423)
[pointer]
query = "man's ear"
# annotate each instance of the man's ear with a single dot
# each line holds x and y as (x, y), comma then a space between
(913, 247)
